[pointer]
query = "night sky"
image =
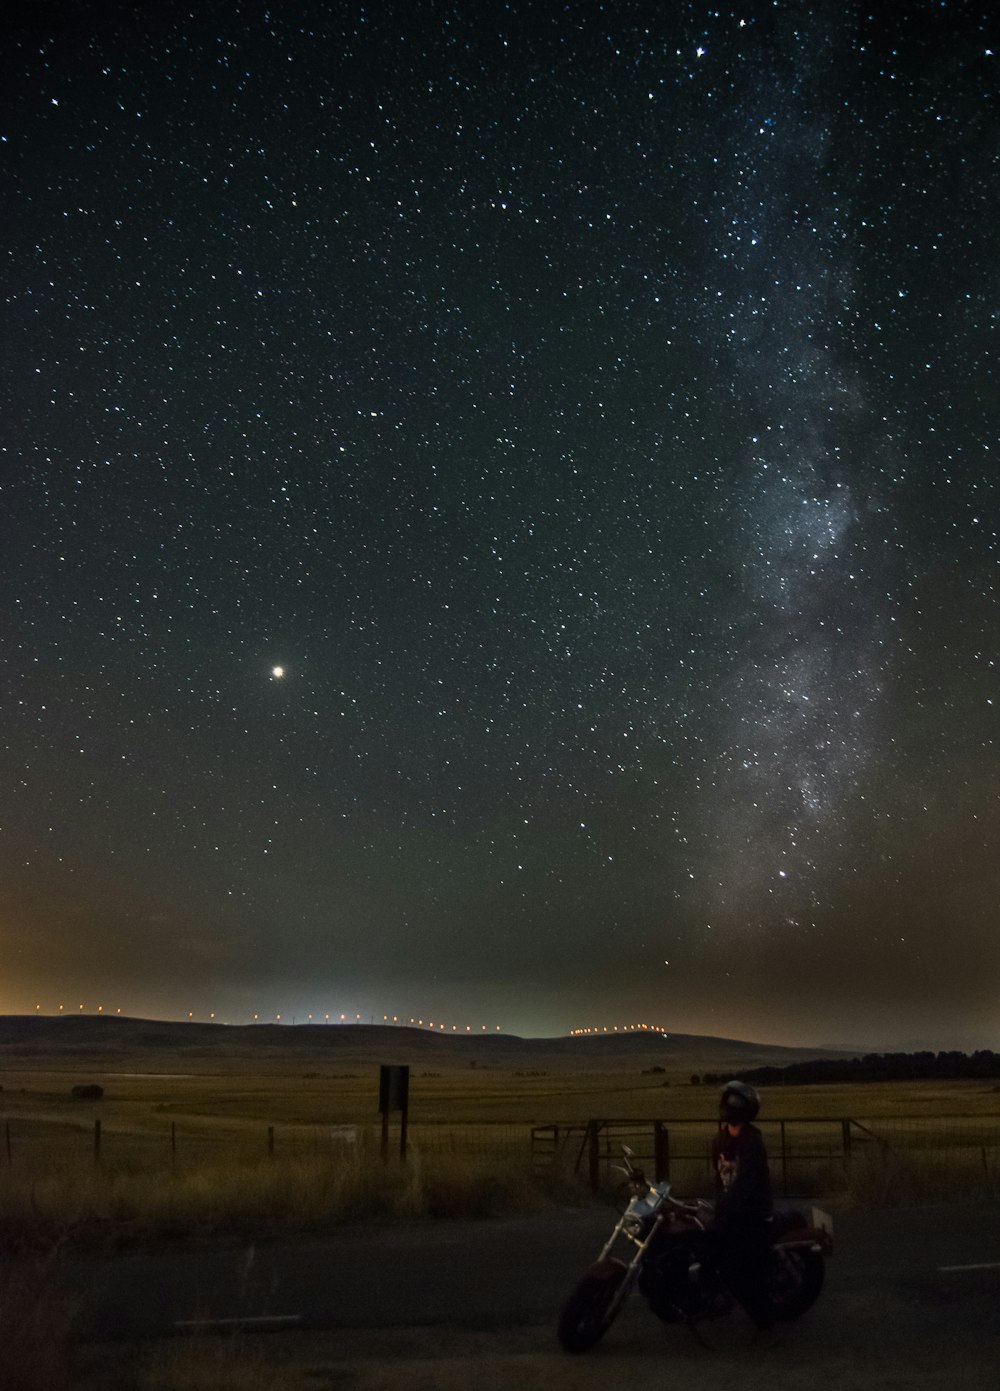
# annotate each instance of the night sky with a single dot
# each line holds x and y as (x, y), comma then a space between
(500, 514)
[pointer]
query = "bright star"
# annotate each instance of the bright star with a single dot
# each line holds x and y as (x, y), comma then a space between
(278, 672)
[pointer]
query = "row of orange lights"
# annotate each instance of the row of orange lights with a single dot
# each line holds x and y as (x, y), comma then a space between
(310, 1018)
(621, 1029)
(455, 1028)
(99, 1009)
(386, 1019)
(341, 1019)
(62, 1009)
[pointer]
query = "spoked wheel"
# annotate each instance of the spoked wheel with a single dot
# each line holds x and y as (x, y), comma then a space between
(593, 1306)
(794, 1280)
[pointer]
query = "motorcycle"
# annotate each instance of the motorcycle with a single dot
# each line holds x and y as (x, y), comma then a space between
(672, 1267)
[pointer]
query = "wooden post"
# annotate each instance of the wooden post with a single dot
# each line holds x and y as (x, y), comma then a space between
(9, 1159)
(845, 1132)
(385, 1137)
(661, 1152)
(270, 1140)
(173, 1140)
(784, 1162)
(97, 1142)
(594, 1152)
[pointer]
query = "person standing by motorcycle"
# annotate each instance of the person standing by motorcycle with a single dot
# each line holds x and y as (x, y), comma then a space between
(743, 1203)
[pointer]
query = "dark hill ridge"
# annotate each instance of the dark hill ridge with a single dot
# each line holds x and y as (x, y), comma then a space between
(89, 1039)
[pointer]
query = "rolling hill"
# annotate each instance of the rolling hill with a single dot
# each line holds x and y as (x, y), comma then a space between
(102, 1039)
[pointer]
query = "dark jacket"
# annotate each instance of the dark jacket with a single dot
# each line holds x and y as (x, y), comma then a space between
(742, 1178)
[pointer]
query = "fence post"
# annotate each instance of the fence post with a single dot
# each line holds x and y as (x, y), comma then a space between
(9, 1159)
(661, 1152)
(97, 1142)
(270, 1139)
(594, 1154)
(784, 1162)
(845, 1131)
(173, 1140)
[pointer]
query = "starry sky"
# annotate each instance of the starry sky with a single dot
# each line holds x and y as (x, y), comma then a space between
(591, 411)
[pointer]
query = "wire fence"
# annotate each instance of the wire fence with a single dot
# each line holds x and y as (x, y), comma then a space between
(43, 1145)
(808, 1154)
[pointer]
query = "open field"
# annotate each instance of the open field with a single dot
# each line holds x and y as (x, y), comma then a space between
(157, 1108)
(213, 1130)
(239, 1090)
(230, 1087)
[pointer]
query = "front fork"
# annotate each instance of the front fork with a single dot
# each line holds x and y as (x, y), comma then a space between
(632, 1269)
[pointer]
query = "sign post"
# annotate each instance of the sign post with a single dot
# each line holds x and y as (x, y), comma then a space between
(393, 1095)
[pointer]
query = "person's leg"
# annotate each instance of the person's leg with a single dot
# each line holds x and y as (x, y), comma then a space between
(743, 1266)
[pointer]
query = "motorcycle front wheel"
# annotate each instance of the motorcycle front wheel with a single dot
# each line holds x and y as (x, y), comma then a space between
(795, 1278)
(593, 1306)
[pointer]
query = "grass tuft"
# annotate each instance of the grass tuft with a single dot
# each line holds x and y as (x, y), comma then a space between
(906, 1178)
(89, 1207)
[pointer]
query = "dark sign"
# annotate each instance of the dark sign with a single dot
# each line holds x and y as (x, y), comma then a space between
(393, 1095)
(393, 1089)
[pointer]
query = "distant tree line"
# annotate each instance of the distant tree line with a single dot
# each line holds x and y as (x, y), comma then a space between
(873, 1067)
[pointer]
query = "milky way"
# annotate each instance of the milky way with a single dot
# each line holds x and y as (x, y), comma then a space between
(498, 498)
(801, 703)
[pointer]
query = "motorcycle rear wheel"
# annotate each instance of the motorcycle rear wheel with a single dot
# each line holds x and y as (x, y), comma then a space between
(593, 1306)
(795, 1278)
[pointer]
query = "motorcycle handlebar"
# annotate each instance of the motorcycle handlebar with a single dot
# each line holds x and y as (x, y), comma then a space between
(690, 1209)
(637, 1178)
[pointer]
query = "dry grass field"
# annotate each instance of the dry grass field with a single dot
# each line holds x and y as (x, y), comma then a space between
(149, 1117)
(233, 1094)
(214, 1130)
